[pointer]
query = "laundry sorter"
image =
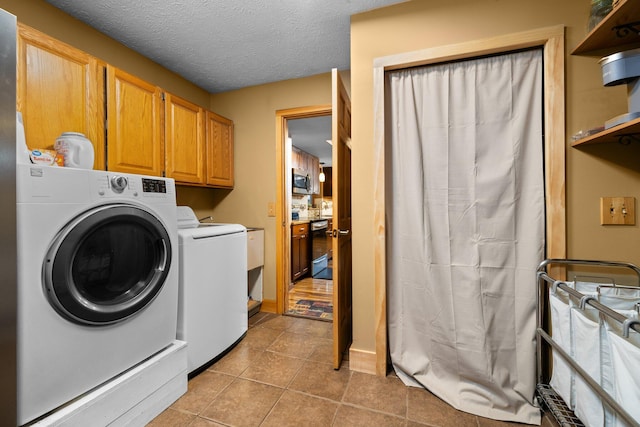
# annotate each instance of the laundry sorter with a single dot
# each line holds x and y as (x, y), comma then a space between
(588, 343)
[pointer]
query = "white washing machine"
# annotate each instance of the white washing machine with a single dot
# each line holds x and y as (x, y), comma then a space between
(212, 309)
(97, 279)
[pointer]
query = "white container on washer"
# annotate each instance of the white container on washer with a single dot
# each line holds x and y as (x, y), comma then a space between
(76, 149)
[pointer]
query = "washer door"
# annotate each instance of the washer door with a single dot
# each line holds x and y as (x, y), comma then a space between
(107, 264)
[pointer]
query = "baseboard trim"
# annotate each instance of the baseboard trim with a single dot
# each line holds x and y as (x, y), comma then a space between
(362, 361)
(269, 306)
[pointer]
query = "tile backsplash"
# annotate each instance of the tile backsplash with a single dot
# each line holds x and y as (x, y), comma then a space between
(302, 205)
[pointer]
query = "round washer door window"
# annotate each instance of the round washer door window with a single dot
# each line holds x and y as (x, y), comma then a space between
(107, 264)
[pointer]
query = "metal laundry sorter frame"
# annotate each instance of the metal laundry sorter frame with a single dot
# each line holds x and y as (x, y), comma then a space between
(546, 394)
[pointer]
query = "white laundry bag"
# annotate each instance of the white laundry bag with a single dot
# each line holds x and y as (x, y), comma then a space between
(562, 376)
(625, 355)
(585, 349)
(586, 338)
(620, 357)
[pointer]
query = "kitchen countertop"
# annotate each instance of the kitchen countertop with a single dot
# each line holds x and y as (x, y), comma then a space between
(308, 220)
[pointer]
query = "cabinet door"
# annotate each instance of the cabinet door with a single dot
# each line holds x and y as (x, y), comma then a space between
(315, 174)
(135, 126)
(295, 257)
(305, 258)
(59, 89)
(219, 143)
(184, 140)
(300, 250)
(306, 162)
(326, 185)
(295, 158)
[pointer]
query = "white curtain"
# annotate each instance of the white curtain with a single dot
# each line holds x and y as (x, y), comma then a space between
(466, 230)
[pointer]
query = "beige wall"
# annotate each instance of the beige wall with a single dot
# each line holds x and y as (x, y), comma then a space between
(253, 111)
(592, 172)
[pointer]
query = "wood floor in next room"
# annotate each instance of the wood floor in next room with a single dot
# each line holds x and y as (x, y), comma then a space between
(311, 298)
(281, 375)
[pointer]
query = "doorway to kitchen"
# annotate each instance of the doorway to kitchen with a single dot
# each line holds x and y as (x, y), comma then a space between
(307, 213)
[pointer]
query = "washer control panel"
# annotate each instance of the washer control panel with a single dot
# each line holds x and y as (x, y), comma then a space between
(134, 186)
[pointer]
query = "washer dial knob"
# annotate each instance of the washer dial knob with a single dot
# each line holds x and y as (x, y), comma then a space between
(119, 183)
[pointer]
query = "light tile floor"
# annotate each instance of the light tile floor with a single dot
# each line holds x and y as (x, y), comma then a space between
(281, 375)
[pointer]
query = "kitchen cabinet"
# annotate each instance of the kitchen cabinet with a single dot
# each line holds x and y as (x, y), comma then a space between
(309, 164)
(314, 168)
(184, 140)
(219, 151)
(135, 125)
(59, 89)
(148, 131)
(618, 31)
(327, 190)
(300, 250)
(298, 159)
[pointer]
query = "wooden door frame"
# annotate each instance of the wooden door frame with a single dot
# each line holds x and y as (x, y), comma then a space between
(551, 39)
(283, 197)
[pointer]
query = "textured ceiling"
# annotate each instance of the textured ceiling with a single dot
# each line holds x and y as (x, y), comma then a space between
(222, 45)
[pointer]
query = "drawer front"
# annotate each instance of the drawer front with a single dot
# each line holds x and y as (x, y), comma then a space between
(300, 229)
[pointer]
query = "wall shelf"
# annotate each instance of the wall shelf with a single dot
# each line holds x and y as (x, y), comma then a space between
(617, 32)
(624, 134)
(609, 35)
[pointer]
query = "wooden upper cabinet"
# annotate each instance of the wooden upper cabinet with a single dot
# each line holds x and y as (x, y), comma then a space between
(325, 186)
(63, 89)
(184, 140)
(309, 164)
(135, 126)
(59, 89)
(219, 165)
(314, 173)
(297, 159)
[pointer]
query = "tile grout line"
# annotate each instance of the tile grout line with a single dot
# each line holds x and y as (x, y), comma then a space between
(272, 407)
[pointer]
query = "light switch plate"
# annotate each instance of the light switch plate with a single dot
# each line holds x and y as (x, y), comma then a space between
(271, 209)
(617, 210)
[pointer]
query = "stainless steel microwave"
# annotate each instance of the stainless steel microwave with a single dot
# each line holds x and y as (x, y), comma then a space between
(300, 182)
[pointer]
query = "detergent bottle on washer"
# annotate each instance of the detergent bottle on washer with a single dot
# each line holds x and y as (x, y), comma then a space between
(76, 149)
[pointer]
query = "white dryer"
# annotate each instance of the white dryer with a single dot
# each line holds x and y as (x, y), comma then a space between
(212, 309)
(97, 279)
